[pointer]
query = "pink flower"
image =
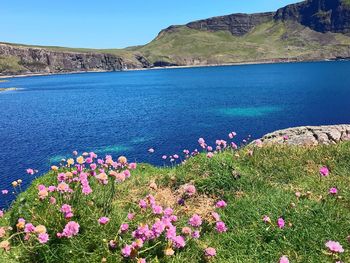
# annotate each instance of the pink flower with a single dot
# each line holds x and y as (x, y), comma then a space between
(124, 228)
(334, 247)
(297, 194)
(103, 220)
(52, 200)
(157, 209)
(93, 166)
(231, 135)
(142, 203)
(324, 171)
(168, 211)
(221, 204)
(158, 228)
(71, 229)
(221, 227)
(210, 252)
(66, 209)
(196, 234)
(284, 259)
(266, 219)
(164, 157)
(280, 222)
(131, 216)
(201, 141)
(43, 238)
(186, 230)
(333, 191)
(190, 189)
(171, 232)
(30, 171)
(151, 150)
(178, 242)
(215, 216)
(126, 251)
(210, 155)
(195, 221)
(127, 173)
(132, 166)
(4, 192)
(29, 228)
(234, 146)
(1, 214)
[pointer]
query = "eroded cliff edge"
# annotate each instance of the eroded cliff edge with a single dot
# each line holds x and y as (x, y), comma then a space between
(33, 60)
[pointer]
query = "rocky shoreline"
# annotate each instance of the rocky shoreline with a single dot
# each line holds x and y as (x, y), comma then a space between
(277, 61)
(309, 135)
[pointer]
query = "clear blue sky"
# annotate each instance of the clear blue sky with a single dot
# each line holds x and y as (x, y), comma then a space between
(110, 23)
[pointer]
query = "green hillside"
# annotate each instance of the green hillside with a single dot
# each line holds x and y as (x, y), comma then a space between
(268, 41)
(273, 181)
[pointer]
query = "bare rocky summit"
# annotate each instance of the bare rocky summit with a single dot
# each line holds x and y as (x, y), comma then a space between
(309, 135)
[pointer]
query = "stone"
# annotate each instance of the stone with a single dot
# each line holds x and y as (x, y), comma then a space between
(309, 135)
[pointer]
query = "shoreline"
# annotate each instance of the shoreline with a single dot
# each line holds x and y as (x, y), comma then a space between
(2, 77)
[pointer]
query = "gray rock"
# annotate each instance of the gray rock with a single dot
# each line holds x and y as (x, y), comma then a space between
(309, 135)
(41, 60)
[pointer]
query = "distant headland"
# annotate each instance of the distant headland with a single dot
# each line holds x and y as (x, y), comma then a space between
(311, 30)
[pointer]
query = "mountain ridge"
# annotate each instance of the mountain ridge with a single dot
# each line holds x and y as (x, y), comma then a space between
(305, 31)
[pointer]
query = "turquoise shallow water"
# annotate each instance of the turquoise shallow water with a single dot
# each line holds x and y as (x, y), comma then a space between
(249, 112)
(129, 112)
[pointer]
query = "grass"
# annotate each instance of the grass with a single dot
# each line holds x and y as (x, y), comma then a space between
(268, 41)
(253, 186)
(10, 64)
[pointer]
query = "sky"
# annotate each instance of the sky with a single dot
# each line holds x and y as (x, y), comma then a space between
(110, 23)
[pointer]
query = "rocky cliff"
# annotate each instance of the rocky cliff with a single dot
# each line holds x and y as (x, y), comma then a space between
(28, 60)
(306, 31)
(237, 24)
(319, 15)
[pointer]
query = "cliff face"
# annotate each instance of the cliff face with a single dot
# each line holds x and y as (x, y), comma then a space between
(41, 60)
(319, 15)
(237, 24)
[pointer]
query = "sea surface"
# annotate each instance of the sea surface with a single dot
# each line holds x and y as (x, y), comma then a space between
(126, 113)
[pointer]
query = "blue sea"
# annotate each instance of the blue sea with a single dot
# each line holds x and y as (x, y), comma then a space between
(126, 113)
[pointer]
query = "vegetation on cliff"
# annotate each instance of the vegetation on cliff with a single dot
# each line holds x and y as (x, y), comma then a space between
(283, 203)
(309, 30)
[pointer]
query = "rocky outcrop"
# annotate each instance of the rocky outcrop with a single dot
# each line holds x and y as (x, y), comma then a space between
(237, 24)
(319, 15)
(309, 135)
(41, 60)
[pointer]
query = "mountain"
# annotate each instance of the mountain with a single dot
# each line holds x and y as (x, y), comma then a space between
(305, 31)
(310, 30)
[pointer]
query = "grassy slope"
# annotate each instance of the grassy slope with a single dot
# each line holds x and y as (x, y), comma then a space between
(185, 46)
(267, 185)
(267, 41)
(12, 64)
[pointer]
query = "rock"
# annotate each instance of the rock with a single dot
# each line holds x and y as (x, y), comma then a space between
(309, 135)
(41, 60)
(237, 24)
(319, 15)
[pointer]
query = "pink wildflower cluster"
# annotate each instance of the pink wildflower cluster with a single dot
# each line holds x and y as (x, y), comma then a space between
(74, 177)
(210, 150)
(165, 226)
(38, 232)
